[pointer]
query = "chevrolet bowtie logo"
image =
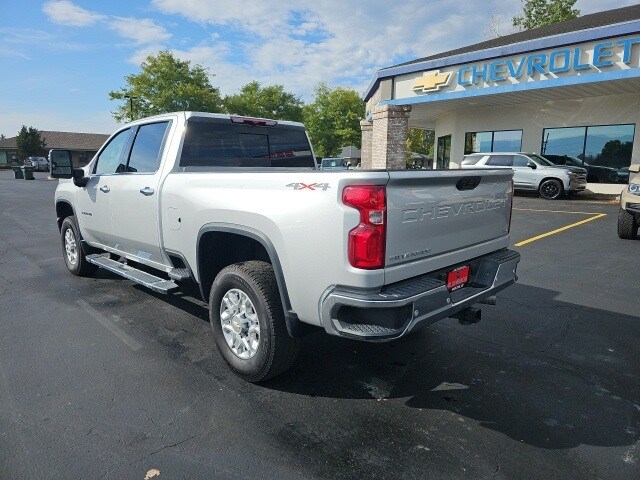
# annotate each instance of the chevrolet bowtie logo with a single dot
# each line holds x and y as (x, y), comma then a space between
(431, 81)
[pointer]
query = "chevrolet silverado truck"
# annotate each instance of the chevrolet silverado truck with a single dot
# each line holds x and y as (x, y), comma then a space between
(238, 207)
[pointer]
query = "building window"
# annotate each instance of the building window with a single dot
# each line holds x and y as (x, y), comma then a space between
(498, 141)
(604, 150)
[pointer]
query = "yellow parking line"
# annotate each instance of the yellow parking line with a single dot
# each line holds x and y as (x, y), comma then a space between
(553, 211)
(558, 230)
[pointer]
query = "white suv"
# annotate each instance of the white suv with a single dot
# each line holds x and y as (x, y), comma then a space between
(532, 172)
(629, 216)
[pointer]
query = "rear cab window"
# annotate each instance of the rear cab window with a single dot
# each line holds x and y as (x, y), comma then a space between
(223, 143)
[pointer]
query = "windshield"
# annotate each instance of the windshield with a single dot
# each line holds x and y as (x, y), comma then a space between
(540, 160)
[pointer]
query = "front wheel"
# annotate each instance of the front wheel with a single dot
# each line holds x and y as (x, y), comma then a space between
(627, 225)
(248, 321)
(551, 189)
(74, 257)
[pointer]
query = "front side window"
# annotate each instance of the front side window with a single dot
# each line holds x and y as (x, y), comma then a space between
(112, 159)
(147, 147)
(520, 161)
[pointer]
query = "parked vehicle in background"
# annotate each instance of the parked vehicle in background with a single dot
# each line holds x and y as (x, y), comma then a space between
(39, 164)
(237, 206)
(595, 173)
(333, 163)
(532, 172)
(629, 214)
(623, 175)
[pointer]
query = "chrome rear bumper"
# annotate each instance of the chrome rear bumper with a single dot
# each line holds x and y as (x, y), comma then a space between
(399, 308)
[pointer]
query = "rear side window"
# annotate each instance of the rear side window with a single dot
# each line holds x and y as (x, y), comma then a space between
(145, 154)
(226, 144)
(500, 160)
(470, 159)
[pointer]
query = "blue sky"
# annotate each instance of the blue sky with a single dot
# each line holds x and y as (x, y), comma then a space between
(60, 58)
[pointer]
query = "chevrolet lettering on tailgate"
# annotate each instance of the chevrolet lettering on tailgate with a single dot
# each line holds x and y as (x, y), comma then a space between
(419, 213)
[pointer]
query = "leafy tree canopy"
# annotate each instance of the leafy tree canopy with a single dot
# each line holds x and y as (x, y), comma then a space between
(333, 119)
(421, 141)
(265, 102)
(165, 84)
(538, 13)
(30, 143)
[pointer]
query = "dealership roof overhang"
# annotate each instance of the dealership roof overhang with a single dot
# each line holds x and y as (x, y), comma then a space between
(587, 59)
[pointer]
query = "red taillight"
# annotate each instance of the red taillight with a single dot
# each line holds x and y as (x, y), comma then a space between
(367, 240)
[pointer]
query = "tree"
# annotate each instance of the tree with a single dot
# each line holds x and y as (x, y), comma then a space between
(265, 102)
(165, 84)
(422, 142)
(538, 13)
(30, 143)
(333, 119)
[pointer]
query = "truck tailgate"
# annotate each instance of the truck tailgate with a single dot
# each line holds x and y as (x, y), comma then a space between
(433, 213)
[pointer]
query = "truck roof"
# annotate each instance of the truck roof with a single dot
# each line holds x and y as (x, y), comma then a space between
(189, 114)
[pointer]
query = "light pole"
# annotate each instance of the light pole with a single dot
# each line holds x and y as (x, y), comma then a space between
(130, 97)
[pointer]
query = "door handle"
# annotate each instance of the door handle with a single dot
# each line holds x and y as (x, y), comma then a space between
(105, 189)
(146, 191)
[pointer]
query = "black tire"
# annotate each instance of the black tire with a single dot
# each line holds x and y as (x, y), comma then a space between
(80, 267)
(275, 351)
(551, 189)
(627, 225)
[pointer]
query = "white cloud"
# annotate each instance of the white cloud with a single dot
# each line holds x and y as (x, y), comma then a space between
(339, 42)
(140, 30)
(64, 12)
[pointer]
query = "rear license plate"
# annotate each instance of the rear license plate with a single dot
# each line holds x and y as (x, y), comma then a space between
(458, 278)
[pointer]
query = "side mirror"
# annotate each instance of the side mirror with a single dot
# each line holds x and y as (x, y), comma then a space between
(532, 165)
(61, 165)
(79, 180)
(634, 168)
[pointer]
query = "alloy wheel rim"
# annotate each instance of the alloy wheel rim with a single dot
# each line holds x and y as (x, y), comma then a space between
(240, 324)
(71, 246)
(551, 189)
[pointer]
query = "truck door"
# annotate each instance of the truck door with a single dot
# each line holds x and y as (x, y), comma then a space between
(94, 200)
(135, 200)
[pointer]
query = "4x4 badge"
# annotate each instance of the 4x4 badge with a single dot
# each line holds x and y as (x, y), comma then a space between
(310, 186)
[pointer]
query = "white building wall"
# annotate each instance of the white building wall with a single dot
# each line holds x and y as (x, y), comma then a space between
(533, 118)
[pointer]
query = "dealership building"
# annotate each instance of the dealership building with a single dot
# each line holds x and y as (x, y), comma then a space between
(570, 89)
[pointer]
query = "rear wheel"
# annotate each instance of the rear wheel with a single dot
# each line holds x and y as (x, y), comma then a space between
(248, 321)
(551, 189)
(627, 225)
(74, 257)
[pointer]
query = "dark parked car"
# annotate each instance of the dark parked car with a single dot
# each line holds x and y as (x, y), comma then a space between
(595, 173)
(39, 164)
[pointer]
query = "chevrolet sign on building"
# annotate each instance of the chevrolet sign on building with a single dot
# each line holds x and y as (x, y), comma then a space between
(616, 54)
(569, 90)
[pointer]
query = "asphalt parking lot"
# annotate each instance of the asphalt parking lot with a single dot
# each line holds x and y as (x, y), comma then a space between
(100, 378)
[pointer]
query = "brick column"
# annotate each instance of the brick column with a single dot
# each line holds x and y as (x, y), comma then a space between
(389, 139)
(365, 151)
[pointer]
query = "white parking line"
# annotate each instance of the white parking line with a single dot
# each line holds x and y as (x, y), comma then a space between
(109, 325)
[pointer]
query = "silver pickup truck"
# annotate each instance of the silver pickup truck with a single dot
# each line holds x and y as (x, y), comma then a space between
(276, 246)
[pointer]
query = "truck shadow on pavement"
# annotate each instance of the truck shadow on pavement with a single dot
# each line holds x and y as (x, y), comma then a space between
(541, 371)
